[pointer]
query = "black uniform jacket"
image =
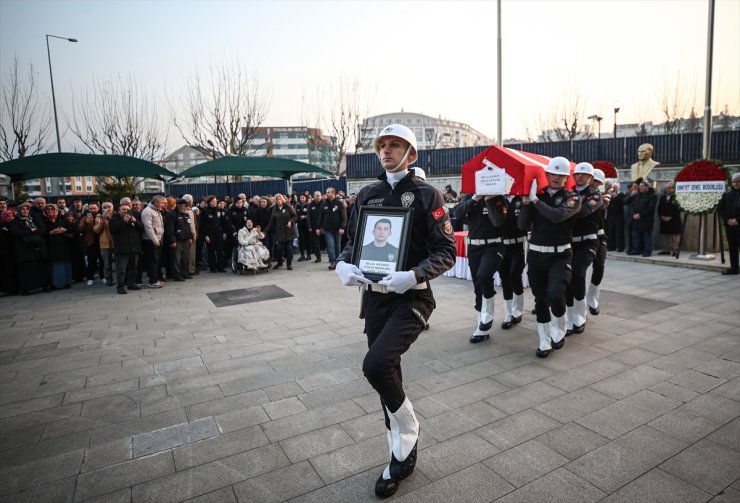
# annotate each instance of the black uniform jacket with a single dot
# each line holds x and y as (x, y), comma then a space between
(333, 215)
(177, 227)
(552, 217)
(589, 216)
(504, 213)
(475, 215)
(431, 250)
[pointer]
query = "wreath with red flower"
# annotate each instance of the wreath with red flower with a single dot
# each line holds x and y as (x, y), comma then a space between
(695, 192)
(608, 168)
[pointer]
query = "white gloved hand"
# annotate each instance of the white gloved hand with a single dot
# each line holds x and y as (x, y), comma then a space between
(477, 197)
(350, 274)
(399, 281)
(533, 191)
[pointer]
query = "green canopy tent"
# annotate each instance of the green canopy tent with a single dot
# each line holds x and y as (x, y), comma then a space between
(70, 164)
(252, 166)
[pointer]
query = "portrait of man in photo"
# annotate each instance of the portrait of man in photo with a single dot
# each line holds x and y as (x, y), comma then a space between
(380, 250)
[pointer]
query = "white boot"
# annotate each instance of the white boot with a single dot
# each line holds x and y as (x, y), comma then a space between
(486, 314)
(592, 298)
(385, 486)
(569, 318)
(404, 437)
(387, 471)
(557, 331)
(579, 316)
(479, 335)
(508, 306)
(543, 331)
(517, 308)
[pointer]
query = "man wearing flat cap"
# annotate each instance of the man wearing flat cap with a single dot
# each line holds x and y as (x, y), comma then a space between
(178, 235)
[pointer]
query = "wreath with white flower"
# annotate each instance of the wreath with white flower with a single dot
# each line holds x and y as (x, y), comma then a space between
(699, 186)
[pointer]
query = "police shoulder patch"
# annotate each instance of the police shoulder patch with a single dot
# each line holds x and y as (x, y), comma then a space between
(448, 227)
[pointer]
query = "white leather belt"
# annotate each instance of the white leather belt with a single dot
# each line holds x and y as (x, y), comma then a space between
(481, 242)
(600, 232)
(514, 241)
(549, 249)
(578, 239)
(375, 287)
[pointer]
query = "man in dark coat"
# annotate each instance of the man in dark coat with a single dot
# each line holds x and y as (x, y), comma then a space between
(729, 211)
(332, 222)
(643, 203)
(670, 221)
(126, 231)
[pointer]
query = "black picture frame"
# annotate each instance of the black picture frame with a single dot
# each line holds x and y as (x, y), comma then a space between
(374, 262)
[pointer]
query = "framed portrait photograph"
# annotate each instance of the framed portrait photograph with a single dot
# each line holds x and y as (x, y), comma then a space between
(381, 240)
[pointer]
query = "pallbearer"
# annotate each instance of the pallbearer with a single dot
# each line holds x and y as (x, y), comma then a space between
(549, 257)
(597, 273)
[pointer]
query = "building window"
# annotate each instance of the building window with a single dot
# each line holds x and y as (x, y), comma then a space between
(180, 157)
(89, 188)
(88, 179)
(192, 155)
(78, 188)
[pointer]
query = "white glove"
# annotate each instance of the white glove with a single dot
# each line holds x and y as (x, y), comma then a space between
(477, 197)
(350, 275)
(533, 191)
(399, 281)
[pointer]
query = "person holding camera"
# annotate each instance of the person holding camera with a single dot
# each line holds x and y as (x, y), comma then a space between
(92, 243)
(126, 231)
(102, 229)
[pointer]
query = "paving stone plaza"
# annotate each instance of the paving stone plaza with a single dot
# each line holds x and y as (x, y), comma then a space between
(161, 396)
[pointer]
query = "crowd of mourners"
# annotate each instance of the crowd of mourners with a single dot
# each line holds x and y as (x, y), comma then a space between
(132, 245)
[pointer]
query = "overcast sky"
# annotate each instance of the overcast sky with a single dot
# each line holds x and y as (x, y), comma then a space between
(437, 58)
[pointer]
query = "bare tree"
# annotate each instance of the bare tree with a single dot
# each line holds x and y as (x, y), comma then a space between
(24, 122)
(223, 115)
(345, 108)
(564, 123)
(676, 99)
(116, 118)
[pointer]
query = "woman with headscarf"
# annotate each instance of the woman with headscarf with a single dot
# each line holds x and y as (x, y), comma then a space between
(58, 242)
(253, 255)
(30, 251)
(8, 279)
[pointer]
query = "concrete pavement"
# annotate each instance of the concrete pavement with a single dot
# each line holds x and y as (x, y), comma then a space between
(161, 396)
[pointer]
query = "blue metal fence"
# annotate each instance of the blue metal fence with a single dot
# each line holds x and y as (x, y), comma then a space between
(669, 149)
(312, 186)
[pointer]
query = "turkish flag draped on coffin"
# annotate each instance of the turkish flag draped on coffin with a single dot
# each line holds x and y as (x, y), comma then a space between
(522, 166)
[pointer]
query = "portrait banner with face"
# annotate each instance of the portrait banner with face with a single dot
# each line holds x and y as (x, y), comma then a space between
(381, 240)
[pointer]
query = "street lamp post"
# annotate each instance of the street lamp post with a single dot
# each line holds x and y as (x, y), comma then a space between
(54, 100)
(616, 110)
(597, 118)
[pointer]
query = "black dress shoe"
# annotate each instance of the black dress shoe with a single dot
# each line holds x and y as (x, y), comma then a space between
(290, 267)
(478, 338)
(385, 488)
(332, 266)
(543, 354)
(122, 291)
(578, 329)
(189, 276)
(277, 266)
(569, 332)
(534, 311)
(729, 272)
(179, 279)
(558, 345)
(318, 259)
(593, 310)
(508, 324)
(134, 287)
(301, 258)
(401, 469)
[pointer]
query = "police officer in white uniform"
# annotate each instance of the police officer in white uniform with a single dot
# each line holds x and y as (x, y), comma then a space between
(550, 254)
(597, 272)
(397, 308)
(585, 245)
